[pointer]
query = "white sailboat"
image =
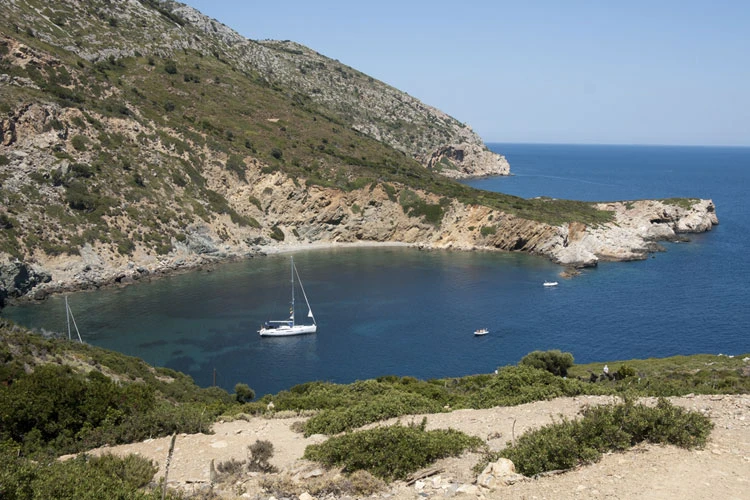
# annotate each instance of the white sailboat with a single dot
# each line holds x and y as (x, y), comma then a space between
(287, 327)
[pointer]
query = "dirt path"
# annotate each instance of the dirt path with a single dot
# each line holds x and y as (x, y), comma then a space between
(720, 471)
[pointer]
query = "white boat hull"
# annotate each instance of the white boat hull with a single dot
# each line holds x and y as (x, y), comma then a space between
(286, 331)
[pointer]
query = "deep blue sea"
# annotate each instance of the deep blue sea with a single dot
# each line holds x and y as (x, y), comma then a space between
(409, 312)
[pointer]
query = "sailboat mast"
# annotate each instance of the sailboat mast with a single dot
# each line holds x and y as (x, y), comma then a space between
(292, 311)
(67, 315)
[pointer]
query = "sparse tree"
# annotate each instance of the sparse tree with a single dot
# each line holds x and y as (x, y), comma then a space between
(259, 453)
(555, 361)
(243, 393)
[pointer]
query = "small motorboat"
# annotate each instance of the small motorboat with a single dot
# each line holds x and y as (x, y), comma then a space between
(481, 331)
(550, 283)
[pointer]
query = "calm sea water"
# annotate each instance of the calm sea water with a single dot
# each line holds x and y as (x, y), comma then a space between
(409, 312)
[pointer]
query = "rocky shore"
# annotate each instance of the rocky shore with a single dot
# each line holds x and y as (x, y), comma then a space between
(634, 232)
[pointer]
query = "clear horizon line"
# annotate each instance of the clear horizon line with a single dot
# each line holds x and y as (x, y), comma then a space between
(541, 143)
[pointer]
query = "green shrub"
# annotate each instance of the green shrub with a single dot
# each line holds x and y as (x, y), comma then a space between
(81, 170)
(554, 361)
(243, 393)
(614, 427)
(125, 246)
(515, 385)
(391, 453)
(414, 206)
(6, 222)
(81, 478)
(170, 67)
(236, 164)
(277, 234)
(372, 409)
(625, 371)
(255, 201)
(259, 453)
(78, 198)
(488, 230)
(79, 142)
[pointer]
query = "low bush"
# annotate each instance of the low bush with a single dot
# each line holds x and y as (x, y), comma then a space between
(78, 198)
(259, 453)
(231, 466)
(414, 206)
(554, 361)
(81, 478)
(488, 230)
(376, 408)
(514, 385)
(391, 453)
(614, 427)
(277, 234)
(236, 164)
(80, 142)
(243, 393)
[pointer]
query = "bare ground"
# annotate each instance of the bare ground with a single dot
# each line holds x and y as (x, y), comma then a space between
(721, 470)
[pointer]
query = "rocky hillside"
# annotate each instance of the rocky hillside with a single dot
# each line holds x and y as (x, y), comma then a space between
(98, 31)
(140, 137)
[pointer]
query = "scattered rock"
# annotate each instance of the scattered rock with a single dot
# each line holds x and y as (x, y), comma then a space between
(498, 474)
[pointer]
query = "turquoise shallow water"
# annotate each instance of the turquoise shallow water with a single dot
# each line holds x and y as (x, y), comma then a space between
(409, 312)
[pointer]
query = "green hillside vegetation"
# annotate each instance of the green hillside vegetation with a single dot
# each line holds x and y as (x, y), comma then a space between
(343, 407)
(61, 397)
(58, 396)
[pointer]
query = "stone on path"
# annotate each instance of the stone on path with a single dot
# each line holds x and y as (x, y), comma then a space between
(499, 473)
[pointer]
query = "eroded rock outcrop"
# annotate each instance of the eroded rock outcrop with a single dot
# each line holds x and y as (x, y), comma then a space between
(467, 160)
(632, 234)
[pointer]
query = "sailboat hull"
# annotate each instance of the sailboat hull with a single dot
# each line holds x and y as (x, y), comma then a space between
(287, 327)
(286, 330)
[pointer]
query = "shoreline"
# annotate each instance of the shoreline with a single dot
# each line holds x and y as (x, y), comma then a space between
(632, 235)
(139, 274)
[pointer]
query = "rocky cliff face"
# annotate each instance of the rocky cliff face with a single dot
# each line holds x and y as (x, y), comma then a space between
(380, 111)
(635, 230)
(316, 216)
(163, 28)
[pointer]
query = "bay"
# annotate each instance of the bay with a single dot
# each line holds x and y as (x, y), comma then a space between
(402, 311)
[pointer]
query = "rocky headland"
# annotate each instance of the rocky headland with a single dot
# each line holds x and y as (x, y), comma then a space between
(320, 218)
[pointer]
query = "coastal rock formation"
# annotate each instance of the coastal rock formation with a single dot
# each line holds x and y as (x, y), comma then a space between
(636, 228)
(467, 160)
(319, 216)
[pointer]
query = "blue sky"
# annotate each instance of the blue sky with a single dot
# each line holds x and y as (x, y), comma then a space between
(567, 71)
